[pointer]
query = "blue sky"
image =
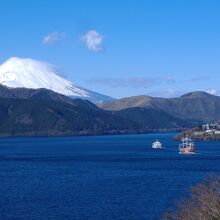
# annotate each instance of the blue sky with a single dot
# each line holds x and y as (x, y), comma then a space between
(119, 47)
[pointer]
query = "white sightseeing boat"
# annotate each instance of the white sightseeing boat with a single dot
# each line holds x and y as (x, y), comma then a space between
(157, 144)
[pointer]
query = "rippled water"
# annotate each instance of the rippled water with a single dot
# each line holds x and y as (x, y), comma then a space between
(106, 177)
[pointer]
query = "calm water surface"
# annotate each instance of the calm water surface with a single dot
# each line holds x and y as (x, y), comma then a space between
(106, 177)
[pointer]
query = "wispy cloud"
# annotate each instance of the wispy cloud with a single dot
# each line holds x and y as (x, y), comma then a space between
(53, 37)
(173, 92)
(198, 78)
(212, 91)
(167, 93)
(93, 41)
(133, 82)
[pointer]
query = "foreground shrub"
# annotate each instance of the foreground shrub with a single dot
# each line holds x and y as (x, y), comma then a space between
(203, 203)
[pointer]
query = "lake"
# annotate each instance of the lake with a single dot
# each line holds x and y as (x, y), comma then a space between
(104, 177)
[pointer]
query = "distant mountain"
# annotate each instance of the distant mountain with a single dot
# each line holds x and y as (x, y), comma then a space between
(20, 117)
(195, 106)
(28, 73)
(154, 119)
(44, 112)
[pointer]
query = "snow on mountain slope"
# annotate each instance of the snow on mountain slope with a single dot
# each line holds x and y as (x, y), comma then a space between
(28, 73)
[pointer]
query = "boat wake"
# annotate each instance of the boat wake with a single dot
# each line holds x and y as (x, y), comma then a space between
(187, 153)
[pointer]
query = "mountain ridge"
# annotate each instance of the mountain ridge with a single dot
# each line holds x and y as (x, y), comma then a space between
(42, 112)
(191, 106)
(36, 117)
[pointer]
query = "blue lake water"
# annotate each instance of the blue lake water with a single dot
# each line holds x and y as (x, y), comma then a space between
(106, 177)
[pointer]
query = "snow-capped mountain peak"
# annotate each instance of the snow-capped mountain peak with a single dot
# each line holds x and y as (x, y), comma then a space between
(28, 73)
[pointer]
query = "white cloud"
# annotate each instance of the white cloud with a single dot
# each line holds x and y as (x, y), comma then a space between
(167, 93)
(53, 37)
(93, 40)
(212, 91)
(133, 82)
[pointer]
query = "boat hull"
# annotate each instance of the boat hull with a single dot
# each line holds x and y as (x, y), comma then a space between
(156, 147)
(187, 150)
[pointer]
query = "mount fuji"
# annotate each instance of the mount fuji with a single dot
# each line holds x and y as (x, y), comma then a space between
(28, 73)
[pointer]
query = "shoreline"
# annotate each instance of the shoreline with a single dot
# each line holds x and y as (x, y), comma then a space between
(198, 134)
